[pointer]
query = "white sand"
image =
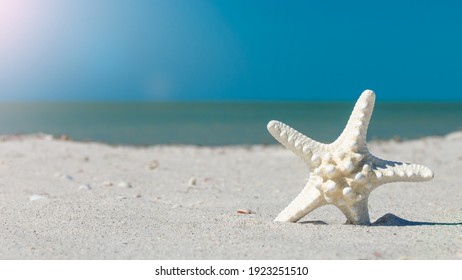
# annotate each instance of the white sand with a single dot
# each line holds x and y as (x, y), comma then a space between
(70, 200)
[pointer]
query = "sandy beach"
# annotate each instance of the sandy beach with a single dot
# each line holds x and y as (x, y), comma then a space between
(61, 199)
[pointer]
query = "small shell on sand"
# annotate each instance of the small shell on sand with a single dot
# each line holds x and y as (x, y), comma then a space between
(107, 184)
(64, 176)
(64, 137)
(124, 185)
(36, 197)
(244, 211)
(85, 187)
(153, 165)
(192, 182)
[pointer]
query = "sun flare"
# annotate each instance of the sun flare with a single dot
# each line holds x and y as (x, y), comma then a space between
(17, 18)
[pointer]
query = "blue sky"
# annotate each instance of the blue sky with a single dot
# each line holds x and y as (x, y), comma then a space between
(229, 50)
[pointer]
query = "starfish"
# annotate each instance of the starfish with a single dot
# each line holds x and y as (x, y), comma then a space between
(344, 172)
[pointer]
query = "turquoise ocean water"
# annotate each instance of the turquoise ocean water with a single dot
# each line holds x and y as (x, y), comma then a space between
(220, 123)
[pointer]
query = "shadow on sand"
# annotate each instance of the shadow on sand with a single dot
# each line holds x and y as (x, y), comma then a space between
(390, 220)
(314, 222)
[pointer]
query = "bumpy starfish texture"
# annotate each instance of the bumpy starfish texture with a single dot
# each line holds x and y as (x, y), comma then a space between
(343, 173)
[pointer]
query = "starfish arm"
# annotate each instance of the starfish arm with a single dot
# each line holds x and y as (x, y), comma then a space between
(356, 129)
(358, 213)
(394, 171)
(296, 142)
(308, 200)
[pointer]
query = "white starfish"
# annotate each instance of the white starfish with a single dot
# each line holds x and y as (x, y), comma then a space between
(342, 173)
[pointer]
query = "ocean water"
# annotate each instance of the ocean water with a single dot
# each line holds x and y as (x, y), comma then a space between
(220, 123)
